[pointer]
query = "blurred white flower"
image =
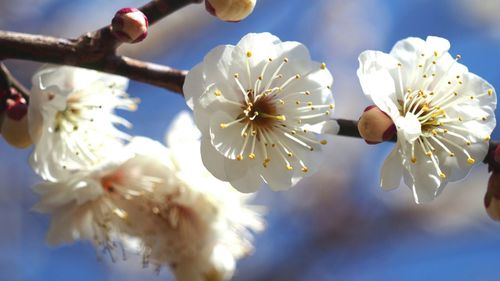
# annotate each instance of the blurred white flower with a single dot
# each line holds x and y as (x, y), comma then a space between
(71, 118)
(443, 113)
(93, 204)
(160, 202)
(260, 105)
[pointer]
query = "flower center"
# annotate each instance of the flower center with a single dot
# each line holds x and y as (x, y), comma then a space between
(68, 120)
(261, 112)
(263, 106)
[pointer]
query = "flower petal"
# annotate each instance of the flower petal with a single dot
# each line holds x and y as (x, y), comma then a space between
(392, 170)
(375, 77)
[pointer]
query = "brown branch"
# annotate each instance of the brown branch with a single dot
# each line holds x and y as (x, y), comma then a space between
(96, 50)
(40, 48)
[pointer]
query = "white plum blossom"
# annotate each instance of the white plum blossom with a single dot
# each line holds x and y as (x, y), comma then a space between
(443, 113)
(93, 204)
(71, 118)
(261, 107)
(163, 200)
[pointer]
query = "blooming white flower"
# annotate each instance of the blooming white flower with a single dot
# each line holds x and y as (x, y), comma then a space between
(176, 211)
(443, 113)
(259, 105)
(71, 118)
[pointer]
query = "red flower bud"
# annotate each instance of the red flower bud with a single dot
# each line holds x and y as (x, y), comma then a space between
(375, 126)
(130, 25)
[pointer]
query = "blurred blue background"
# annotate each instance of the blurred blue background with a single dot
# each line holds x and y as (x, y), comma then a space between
(335, 225)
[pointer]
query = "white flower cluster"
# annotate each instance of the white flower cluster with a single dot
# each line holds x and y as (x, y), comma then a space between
(262, 108)
(139, 196)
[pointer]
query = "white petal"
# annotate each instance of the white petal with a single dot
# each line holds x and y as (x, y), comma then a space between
(235, 169)
(276, 175)
(212, 159)
(392, 170)
(408, 127)
(376, 80)
(421, 176)
(228, 141)
(437, 44)
(194, 85)
(247, 183)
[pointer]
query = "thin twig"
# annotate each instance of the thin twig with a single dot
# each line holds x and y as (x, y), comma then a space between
(8, 80)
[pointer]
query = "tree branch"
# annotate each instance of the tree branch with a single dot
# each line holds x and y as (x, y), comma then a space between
(96, 50)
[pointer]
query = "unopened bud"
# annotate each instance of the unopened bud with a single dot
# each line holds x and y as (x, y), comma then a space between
(492, 197)
(15, 124)
(375, 126)
(130, 25)
(230, 10)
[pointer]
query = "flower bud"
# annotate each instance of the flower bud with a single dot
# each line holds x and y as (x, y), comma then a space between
(492, 197)
(130, 25)
(230, 10)
(15, 123)
(375, 126)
